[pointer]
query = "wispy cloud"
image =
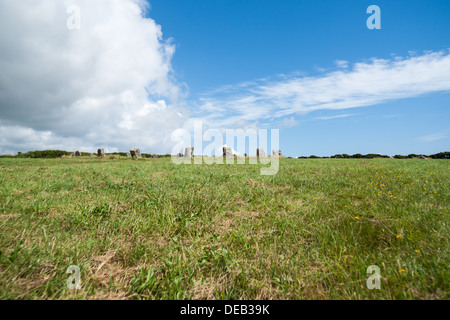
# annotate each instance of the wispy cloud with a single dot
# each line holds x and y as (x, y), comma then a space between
(391, 116)
(366, 83)
(432, 137)
(336, 116)
(342, 64)
(287, 123)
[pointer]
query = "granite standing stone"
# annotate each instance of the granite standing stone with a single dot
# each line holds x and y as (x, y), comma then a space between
(276, 153)
(260, 152)
(135, 153)
(101, 153)
(227, 152)
(189, 152)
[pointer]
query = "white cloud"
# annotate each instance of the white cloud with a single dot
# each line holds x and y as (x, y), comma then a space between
(432, 137)
(362, 84)
(342, 64)
(287, 123)
(87, 88)
(339, 116)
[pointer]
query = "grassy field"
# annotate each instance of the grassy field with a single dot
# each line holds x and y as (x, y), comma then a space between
(147, 229)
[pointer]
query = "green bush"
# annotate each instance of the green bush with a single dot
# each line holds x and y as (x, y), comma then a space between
(46, 154)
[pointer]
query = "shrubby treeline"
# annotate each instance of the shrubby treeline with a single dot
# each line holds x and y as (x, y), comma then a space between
(58, 154)
(51, 154)
(440, 155)
(44, 154)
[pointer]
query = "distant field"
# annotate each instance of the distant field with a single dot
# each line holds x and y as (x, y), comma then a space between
(147, 229)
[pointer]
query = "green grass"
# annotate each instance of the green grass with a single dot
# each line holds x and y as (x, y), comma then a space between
(149, 229)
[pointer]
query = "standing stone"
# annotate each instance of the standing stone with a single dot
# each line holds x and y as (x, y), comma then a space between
(180, 155)
(77, 154)
(72, 154)
(276, 153)
(91, 154)
(129, 155)
(155, 156)
(189, 152)
(245, 155)
(101, 153)
(260, 152)
(227, 152)
(423, 157)
(135, 152)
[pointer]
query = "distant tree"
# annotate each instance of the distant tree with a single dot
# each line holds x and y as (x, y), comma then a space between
(374, 156)
(441, 155)
(147, 155)
(46, 154)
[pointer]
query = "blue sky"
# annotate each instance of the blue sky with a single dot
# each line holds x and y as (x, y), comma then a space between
(225, 47)
(83, 75)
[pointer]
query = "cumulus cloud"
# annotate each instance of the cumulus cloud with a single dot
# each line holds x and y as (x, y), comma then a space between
(108, 84)
(361, 84)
